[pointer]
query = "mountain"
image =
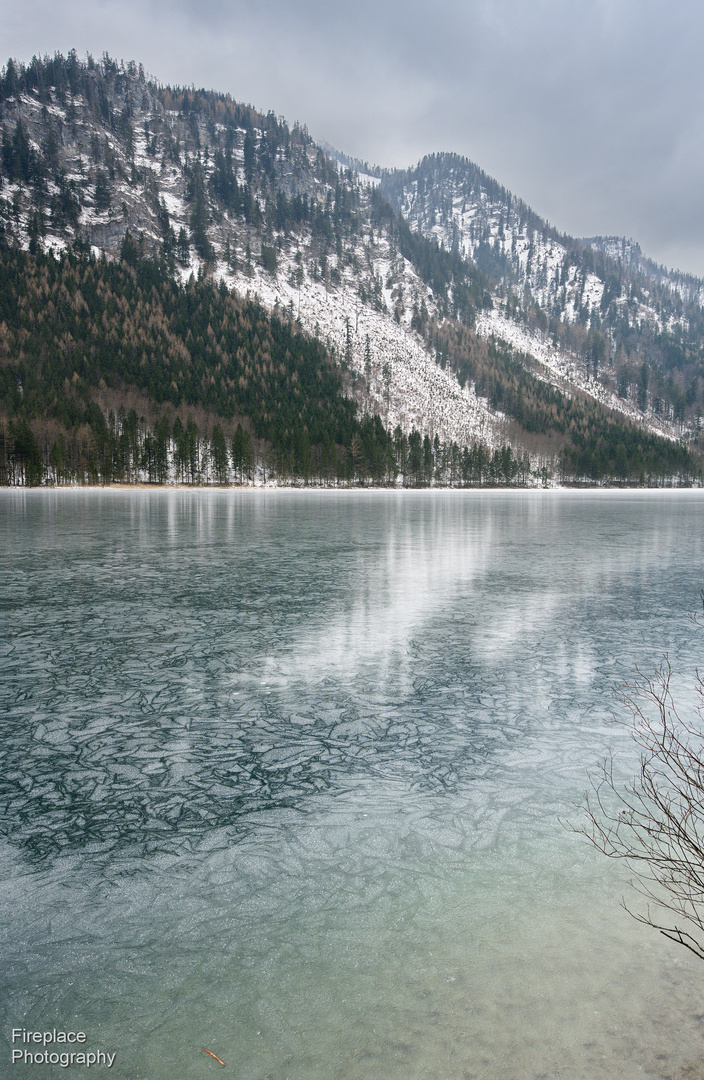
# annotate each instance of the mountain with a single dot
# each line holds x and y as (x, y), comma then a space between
(446, 312)
(594, 313)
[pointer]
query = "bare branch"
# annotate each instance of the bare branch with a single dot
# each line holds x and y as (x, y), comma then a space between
(656, 822)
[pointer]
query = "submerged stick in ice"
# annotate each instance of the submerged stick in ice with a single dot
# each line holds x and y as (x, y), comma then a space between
(213, 1056)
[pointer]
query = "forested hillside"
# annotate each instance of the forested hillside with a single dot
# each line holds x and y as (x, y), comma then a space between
(79, 338)
(111, 370)
(216, 188)
(192, 290)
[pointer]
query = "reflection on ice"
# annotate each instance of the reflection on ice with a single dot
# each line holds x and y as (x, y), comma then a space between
(282, 771)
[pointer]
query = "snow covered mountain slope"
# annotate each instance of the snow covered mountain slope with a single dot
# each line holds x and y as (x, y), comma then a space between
(220, 189)
(411, 279)
(627, 252)
(621, 328)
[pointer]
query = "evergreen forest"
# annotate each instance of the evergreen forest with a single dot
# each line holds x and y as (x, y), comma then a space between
(111, 371)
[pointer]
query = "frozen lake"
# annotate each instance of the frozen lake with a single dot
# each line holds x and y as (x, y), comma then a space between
(282, 776)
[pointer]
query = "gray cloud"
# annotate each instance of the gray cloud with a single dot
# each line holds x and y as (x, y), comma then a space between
(592, 113)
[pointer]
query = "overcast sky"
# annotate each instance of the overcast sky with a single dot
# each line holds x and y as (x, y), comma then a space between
(592, 113)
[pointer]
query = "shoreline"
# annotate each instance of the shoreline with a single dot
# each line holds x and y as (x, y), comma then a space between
(213, 489)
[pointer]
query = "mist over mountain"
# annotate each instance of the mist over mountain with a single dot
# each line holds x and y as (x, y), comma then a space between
(449, 316)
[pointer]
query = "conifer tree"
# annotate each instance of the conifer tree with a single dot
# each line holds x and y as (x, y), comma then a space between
(219, 455)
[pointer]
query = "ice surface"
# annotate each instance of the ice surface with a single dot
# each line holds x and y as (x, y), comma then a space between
(282, 774)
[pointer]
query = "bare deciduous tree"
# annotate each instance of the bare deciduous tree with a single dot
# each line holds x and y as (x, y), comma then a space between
(656, 822)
